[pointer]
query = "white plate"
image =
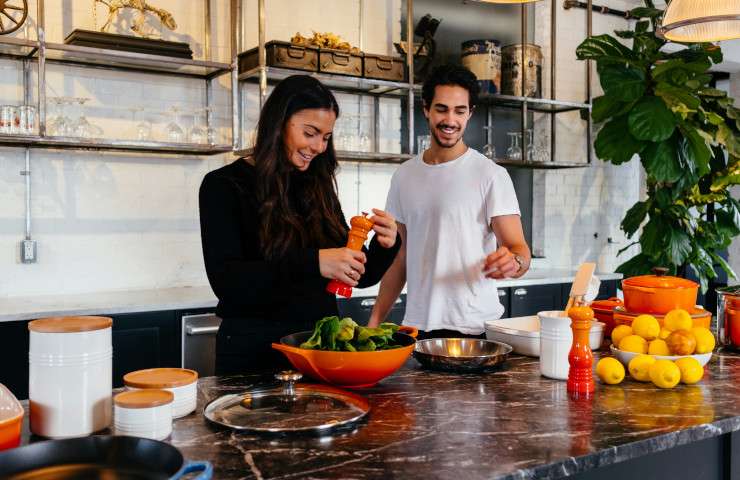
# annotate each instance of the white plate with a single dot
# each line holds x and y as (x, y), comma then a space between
(625, 357)
(523, 334)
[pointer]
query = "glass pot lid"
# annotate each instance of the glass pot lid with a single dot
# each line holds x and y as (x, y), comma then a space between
(289, 407)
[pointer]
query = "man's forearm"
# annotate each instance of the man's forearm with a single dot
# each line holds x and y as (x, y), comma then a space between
(390, 288)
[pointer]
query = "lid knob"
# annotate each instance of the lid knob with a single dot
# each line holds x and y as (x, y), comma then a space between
(289, 377)
(659, 271)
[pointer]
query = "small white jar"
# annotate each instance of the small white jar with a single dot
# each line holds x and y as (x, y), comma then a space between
(143, 413)
(70, 376)
(183, 383)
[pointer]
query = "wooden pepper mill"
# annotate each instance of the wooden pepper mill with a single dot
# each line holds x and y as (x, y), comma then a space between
(580, 357)
(360, 226)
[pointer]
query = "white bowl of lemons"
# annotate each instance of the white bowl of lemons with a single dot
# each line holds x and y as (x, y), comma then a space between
(676, 338)
(625, 357)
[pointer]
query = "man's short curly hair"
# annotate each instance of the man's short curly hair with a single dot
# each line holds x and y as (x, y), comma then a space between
(450, 74)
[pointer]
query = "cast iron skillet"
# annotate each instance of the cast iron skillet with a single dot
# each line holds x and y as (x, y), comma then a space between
(109, 457)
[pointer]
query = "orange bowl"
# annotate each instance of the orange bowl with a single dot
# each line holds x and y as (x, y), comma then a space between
(699, 316)
(347, 369)
(11, 419)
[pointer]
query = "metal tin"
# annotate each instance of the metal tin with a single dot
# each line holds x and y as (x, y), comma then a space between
(340, 62)
(465, 355)
(511, 81)
(289, 408)
(483, 58)
(282, 55)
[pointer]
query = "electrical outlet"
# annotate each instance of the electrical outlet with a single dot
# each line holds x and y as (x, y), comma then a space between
(28, 251)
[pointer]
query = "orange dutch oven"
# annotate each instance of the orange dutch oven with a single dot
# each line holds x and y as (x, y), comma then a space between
(659, 293)
(348, 369)
(604, 312)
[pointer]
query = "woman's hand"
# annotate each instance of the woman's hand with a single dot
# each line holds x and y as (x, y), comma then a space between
(342, 264)
(385, 228)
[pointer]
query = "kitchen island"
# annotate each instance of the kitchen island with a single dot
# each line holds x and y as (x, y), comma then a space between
(510, 424)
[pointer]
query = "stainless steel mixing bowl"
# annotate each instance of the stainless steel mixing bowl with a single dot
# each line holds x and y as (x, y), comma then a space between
(461, 354)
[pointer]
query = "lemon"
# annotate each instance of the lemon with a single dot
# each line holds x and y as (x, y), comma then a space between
(664, 332)
(620, 332)
(610, 370)
(704, 340)
(633, 343)
(646, 326)
(658, 347)
(639, 367)
(691, 370)
(678, 319)
(664, 374)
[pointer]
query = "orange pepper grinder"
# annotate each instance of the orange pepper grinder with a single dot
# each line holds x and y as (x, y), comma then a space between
(360, 227)
(580, 357)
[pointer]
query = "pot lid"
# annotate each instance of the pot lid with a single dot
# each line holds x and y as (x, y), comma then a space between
(659, 280)
(160, 378)
(307, 408)
(143, 398)
(69, 324)
(606, 304)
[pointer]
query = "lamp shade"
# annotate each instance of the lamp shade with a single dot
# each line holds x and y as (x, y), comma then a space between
(701, 20)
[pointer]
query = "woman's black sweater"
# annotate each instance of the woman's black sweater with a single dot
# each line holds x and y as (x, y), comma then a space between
(260, 300)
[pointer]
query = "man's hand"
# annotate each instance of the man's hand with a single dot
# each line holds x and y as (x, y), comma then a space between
(500, 264)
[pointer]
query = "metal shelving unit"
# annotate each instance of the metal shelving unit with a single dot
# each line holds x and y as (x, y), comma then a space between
(264, 76)
(42, 52)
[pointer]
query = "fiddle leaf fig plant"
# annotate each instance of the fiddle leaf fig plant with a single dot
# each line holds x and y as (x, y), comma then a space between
(660, 106)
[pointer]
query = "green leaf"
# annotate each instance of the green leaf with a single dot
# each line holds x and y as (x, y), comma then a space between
(652, 238)
(712, 92)
(697, 146)
(661, 161)
(666, 66)
(676, 96)
(642, 26)
(645, 12)
(638, 265)
(651, 120)
(634, 218)
(728, 222)
(604, 47)
(624, 83)
(679, 245)
(615, 144)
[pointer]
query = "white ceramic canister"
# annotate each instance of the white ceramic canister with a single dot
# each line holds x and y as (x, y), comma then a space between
(70, 376)
(556, 340)
(183, 383)
(143, 413)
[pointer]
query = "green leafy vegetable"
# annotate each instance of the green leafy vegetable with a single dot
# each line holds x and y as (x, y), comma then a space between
(331, 333)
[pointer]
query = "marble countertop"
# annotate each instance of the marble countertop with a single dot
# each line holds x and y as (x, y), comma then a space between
(510, 424)
(183, 298)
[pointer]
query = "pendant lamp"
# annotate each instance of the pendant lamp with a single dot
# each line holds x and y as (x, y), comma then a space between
(701, 21)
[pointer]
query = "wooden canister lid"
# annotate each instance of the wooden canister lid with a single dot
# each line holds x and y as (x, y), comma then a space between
(143, 398)
(69, 324)
(160, 378)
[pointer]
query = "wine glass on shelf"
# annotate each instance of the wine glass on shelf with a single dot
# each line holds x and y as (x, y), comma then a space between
(489, 150)
(514, 152)
(175, 133)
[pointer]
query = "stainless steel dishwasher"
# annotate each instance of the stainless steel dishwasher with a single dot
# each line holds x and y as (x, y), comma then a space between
(199, 343)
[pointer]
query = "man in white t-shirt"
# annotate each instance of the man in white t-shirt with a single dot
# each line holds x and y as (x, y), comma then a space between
(459, 219)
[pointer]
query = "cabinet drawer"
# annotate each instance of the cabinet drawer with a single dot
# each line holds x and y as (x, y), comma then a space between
(535, 298)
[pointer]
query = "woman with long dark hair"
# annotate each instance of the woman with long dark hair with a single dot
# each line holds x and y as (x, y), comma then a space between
(273, 230)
